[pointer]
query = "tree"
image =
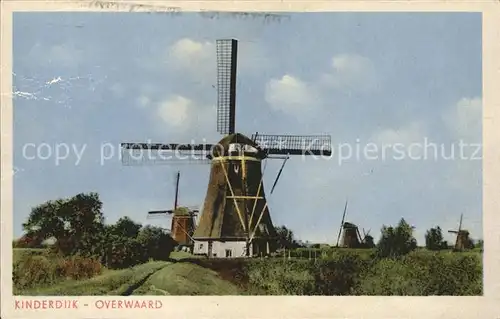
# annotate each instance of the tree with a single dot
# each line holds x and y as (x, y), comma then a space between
(286, 238)
(480, 244)
(127, 244)
(157, 243)
(125, 227)
(434, 239)
(123, 252)
(76, 223)
(396, 241)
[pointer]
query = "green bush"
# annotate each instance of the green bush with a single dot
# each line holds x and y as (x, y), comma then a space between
(78, 267)
(32, 271)
(123, 252)
(157, 244)
(339, 275)
(423, 274)
(418, 273)
(44, 270)
(278, 277)
(450, 273)
(391, 277)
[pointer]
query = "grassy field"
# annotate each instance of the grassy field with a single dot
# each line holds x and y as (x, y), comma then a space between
(331, 272)
(152, 278)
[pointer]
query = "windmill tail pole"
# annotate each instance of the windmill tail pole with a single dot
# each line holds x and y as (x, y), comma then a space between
(177, 190)
(244, 191)
(279, 174)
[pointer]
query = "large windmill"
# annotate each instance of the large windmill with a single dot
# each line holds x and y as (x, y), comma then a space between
(462, 240)
(183, 219)
(235, 219)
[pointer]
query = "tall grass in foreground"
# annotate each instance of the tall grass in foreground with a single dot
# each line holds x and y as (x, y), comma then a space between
(417, 274)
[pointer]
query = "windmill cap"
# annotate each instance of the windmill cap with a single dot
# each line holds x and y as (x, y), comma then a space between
(349, 225)
(224, 146)
(181, 211)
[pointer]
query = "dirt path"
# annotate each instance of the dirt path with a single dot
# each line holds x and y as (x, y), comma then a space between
(135, 285)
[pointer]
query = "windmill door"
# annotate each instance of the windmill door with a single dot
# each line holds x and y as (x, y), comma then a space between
(209, 249)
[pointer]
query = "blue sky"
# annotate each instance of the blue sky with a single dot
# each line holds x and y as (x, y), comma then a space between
(87, 79)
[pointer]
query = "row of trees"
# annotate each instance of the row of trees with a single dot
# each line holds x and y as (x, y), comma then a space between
(395, 241)
(434, 240)
(77, 227)
(399, 240)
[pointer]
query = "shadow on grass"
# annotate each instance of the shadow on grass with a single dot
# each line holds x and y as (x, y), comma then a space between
(130, 290)
(229, 269)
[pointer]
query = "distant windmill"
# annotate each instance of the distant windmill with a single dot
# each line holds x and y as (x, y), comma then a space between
(183, 219)
(351, 237)
(235, 219)
(367, 240)
(462, 239)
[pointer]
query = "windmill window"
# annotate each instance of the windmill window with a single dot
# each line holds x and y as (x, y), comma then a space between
(201, 246)
(234, 148)
(228, 253)
(249, 148)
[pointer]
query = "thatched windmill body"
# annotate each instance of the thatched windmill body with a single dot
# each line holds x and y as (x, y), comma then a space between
(183, 219)
(235, 219)
(462, 239)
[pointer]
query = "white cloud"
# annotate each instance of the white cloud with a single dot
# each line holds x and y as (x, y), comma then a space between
(193, 56)
(199, 58)
(351, 72)
(175, 111)
(291, 95)
(464, 123)
(464, 119)
(180, 116)
(411, 133)
(187, 49)
(143, 101)
(65, 55)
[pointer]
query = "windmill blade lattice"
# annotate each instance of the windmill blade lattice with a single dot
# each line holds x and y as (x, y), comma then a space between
(136, 154)
(294, 144)
(227, 50)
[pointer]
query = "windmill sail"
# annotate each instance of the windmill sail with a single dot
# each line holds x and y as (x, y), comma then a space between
(227, 51)
(294, 144)
(342, 223)
(133, 154)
